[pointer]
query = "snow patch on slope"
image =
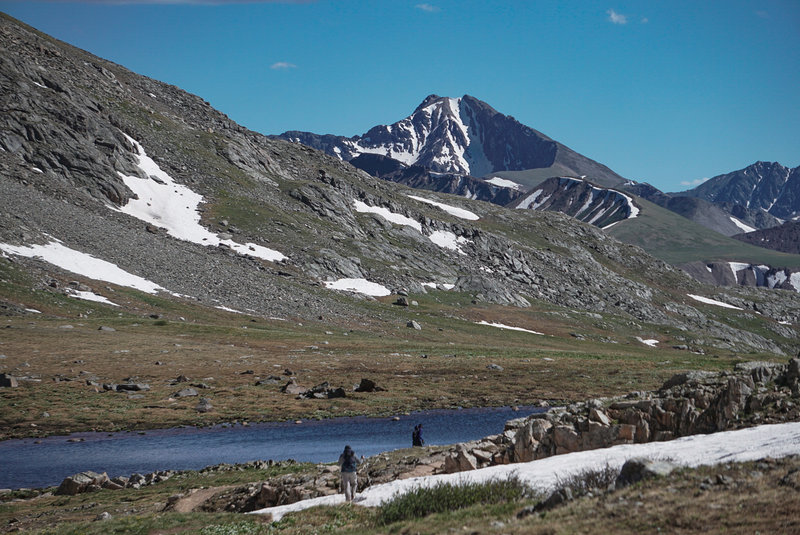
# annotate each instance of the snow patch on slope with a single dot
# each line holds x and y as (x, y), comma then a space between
(84, 264)
(452, 210)
(90, 296)
(504, 183)
(448, 240)
(362, 286)
(388, 215)
(714, 302)
(742, 226)
(508, 327)
(172, 206)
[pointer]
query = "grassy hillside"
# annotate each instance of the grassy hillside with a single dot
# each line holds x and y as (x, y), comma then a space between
(678, 240)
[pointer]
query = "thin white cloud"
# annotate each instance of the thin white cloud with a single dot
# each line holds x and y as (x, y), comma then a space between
(427, 7)
(282, 66)
(695, 182)
(762, 14)
(617, 18)
(645, 20)
(175, 2)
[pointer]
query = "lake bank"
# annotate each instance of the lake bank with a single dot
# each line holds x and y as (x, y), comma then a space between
(45, 462)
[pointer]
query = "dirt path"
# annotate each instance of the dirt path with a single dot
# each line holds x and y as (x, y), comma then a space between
(197, 497)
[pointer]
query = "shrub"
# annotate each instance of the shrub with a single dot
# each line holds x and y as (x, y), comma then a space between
(583, 482)
(239, 528)
(444, 497)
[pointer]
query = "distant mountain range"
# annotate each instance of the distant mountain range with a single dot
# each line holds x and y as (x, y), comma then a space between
(764, 186)
(465, 147)
(464, 136)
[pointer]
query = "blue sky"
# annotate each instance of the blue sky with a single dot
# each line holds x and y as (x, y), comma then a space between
(666, 92)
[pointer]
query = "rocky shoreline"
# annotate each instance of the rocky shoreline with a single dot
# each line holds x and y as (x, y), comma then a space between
(754, 393)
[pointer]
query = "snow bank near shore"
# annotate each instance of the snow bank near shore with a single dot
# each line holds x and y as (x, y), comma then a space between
(749, 444)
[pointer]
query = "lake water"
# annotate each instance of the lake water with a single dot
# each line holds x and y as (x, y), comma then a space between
(26, 464)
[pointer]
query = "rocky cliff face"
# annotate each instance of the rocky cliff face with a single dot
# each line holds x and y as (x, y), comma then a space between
(741, 274)
(418, 177)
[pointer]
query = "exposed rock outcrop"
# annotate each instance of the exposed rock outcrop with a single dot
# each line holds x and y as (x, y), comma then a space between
(689, 403)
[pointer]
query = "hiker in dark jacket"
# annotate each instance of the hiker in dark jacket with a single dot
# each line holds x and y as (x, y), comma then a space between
(348, 464)
(416, 436)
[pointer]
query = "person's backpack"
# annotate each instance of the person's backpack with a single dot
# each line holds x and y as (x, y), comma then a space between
(349, 464)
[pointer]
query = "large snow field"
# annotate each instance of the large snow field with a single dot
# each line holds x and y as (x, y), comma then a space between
(778, 440)
(172, 206)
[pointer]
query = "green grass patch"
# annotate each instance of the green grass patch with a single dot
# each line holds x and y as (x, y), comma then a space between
(447, 497)
(678, 240)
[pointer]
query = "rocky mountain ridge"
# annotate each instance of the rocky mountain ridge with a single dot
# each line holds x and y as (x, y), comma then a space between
(462, 136)
(764, 186)
(78, 132)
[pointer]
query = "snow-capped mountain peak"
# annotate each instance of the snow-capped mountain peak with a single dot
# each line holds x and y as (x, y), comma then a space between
(463, 136)
(434, 136)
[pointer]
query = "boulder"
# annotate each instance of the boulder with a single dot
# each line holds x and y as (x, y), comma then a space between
(460, 461)
(414, 325)
(204, 405)
(599, 416)
(638, 469)
(8, 381)
(185, 392)
(293, 388)
(132, 387)
(367, 385)
(566, 439)
(686, 377)
(82, 482)
(555, 499)
(336, 393)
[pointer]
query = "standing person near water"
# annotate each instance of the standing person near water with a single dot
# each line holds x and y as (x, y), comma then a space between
(416, 436)
(348, 464)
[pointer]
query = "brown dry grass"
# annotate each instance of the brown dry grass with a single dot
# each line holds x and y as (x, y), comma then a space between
(443, 367)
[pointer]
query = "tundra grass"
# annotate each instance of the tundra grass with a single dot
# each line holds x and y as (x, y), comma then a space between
(62, 359)
(678, 240)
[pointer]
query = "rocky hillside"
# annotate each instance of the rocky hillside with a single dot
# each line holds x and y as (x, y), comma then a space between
(580, 199)
(766, 186)
(132, 183)
(463, 136)
(743, 274)
(701, 211)
(785, 238)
